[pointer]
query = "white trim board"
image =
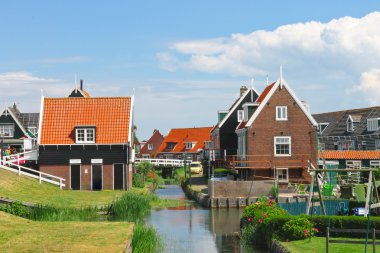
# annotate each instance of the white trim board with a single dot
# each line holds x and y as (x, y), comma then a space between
(269, 95)
(15, 119)
(236, 105)
(41, 117)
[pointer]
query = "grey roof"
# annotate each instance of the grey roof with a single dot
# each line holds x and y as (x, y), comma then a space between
(26, 119)
(338, 121)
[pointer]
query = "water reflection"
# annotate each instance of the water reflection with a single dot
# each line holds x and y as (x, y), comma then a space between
(195, 229)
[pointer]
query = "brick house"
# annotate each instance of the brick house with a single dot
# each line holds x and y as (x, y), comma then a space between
(191, 143)
(149, 149)
(352, 158)
(223, 136)
(277, 137)
(355, 129)
(87, 141)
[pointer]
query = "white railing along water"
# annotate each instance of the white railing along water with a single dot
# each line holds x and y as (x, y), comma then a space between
(163, 162)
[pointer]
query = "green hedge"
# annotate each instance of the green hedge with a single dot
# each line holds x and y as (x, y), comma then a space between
(275, 224)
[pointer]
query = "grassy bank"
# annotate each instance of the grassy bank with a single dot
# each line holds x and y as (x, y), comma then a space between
(26, 189)
(318, 244)
(22, 235)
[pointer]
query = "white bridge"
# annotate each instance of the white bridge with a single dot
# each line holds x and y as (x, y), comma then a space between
(163, 162)
(13, 163)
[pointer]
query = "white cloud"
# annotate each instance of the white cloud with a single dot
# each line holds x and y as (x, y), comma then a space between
(370, 86)
(330, 55)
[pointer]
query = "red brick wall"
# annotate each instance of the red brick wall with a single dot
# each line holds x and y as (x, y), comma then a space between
(262, 132)
(156, 140)
(64, 172)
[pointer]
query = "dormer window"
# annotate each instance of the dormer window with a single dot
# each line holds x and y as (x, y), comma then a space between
(189, 145)
(170, 145)
(351, 120)
(322, 127)
(240, 115)
(85, 135)
(373, 124)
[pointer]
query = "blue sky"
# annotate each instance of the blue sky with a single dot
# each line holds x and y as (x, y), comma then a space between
(187, 59)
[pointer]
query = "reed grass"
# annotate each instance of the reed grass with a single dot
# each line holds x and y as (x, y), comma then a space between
(145, 239)
(130, 207)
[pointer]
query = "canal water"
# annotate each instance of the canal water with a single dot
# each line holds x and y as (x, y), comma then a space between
(195, 229)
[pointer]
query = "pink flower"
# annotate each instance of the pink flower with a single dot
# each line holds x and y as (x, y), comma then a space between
(265, 215)
(249, 219)
(305, 232)
(268, 203)
(260, 221)
(316, 230)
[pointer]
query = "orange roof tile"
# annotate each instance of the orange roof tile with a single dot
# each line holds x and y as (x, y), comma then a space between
(265, 93)
(351, 154)
(110, 116)
(180, 136)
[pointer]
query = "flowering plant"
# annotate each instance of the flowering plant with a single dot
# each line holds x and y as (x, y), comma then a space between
(298, 229)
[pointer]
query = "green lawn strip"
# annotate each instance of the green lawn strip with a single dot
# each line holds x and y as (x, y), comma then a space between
(22, 235)
(318, 244)
(27, 189)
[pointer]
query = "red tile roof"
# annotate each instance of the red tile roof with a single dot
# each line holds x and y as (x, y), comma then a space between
(110, 116)
(179, 136)
(265, 93)
(351, 154)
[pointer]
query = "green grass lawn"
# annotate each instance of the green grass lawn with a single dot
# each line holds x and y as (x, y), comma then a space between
(318, 245)
(21, 235)
(27, 189)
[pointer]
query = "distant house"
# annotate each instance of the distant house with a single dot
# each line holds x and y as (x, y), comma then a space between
(181, 143)
(79, 93)
(87, 141)
(356, 129)
(149, 149)
(352, 158)
(277, 137)
(223, 136)
(18, 130)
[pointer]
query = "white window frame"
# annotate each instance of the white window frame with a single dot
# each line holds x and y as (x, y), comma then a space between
(145, 156)
(352, 163)
(281, 113)
(377, 144)
(340, 145)
(290, 145)
(240, 115)
(350, 124)
(189, 145)
(10, 129)
(150, 146)
(374, 164)
(86, 132)
(373, 124)
(320, 130)
(286, 180)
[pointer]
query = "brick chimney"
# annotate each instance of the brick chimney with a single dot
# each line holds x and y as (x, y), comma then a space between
(243, 89)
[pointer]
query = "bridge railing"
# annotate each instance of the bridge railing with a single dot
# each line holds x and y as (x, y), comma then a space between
(163, 162)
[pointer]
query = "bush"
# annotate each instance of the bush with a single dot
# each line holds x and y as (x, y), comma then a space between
(137, 181)
(16, 208)
(297, 228)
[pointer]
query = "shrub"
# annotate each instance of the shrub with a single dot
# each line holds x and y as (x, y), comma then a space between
(137, 181)
(297, 228)
(144, 168)
(16, 208)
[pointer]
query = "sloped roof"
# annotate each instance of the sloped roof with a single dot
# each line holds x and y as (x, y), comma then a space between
(110, 115)
(267, 94)
(350, 154)
(179, 136)
(338, 121)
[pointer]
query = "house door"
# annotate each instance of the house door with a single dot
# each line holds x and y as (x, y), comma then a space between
(118, 176)
(97, 177)
(75, 177)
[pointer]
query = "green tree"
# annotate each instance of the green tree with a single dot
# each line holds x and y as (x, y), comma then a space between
(144, 168)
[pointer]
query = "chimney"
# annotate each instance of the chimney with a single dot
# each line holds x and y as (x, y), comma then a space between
(81, 84)
(243, 89)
